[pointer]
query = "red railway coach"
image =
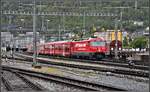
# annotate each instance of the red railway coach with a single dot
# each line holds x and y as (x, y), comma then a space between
(40, 49)
(90, 48)
(62, 48)
(48, 48)
(30, 48)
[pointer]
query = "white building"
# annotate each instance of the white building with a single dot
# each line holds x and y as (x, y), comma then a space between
(23, 40)
(6, 38)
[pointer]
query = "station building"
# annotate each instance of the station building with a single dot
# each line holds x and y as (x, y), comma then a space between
(109, 35)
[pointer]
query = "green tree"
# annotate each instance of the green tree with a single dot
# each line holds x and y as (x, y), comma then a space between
(139, 42)
(125, 42)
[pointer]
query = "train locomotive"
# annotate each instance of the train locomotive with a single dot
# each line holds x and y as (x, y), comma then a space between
(90, 48)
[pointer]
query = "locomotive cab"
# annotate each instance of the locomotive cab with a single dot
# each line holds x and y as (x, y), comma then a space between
(100, 45)
(100, 49)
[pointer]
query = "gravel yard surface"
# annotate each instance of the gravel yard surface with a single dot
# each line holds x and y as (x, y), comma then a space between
(3, 89)
(55, 87)
(130, 83)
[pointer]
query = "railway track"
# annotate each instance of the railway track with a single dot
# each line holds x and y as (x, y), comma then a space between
(128, 71)
(108, 62)
(66, 80)
(14, 81)
(102, 62)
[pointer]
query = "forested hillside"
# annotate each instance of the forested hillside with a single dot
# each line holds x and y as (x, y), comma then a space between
(128, 12)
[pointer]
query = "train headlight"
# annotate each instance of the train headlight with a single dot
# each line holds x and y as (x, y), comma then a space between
(112, 48)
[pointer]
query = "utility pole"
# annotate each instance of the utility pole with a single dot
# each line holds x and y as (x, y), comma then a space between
(116, 39)
(6, 42)
(9, 22)
(63, 22)
(34, 35)
(40, 6)
(121, 29)
(43, 27)
(135, 4)
(121, 19)
(14, 47)
(47, 23)
(0, 44)
(59, 32)
(84, 23)
(42, 23)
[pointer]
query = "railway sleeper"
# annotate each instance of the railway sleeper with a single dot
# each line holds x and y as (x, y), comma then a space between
(65, 80)
(141, 74)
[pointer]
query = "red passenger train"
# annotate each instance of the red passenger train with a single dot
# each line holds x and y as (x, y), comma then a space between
(90, 48)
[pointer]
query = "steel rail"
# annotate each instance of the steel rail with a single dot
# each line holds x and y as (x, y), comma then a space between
(103, 61)
(130, 72)
(108, 62)
(7, 84)
(30, 85)
(28, 82)
(66, 80)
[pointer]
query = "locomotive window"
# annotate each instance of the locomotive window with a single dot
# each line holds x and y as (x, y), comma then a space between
(66, 49)
(97, 43)
(50, 47)
(56, 47)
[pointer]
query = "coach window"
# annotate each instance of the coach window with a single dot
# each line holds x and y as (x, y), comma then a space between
(66, 49)
(45, 46)
(60, 48)
(52, 46)
(97, 43)
(56, 47)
